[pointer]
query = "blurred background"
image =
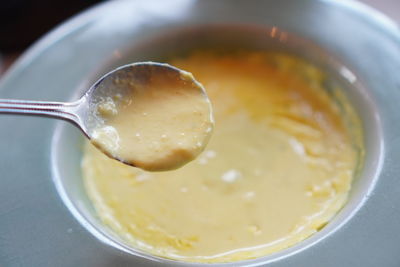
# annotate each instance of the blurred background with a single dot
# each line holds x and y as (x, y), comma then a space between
(22, 22)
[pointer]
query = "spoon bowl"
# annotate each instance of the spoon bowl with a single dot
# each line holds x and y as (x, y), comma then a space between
(119, 82)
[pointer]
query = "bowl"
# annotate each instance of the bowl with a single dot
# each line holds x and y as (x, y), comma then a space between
(43, 195)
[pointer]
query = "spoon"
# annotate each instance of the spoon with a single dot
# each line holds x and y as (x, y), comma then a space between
(119, 86)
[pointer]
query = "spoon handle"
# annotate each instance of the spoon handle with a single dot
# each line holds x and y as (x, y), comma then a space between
(59, 110)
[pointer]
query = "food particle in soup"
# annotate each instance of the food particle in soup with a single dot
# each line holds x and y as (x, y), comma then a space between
(278, 166)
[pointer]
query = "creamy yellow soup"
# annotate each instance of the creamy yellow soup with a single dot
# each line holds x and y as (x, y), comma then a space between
(160, 122)
(278, 166)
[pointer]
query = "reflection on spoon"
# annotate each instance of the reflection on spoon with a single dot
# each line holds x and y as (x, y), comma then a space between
(149, 115)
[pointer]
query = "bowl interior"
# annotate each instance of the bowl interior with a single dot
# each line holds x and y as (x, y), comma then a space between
(68, 141)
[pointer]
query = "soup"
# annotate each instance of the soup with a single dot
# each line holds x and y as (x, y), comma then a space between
(277, 168)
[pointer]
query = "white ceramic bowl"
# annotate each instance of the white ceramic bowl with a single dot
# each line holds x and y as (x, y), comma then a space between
(359, 46)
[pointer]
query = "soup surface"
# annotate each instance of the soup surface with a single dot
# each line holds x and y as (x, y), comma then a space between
(278, 166)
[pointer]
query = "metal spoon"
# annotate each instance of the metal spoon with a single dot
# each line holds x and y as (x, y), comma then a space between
(82, 113)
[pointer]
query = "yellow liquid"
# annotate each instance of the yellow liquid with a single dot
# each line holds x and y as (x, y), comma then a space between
(278, 166)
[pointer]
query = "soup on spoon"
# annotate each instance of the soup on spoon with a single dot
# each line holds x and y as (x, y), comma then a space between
(158, 117)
